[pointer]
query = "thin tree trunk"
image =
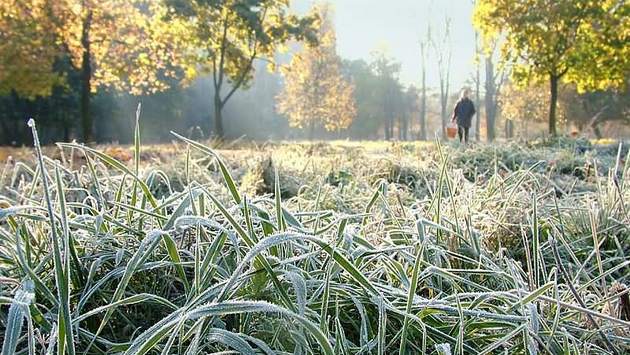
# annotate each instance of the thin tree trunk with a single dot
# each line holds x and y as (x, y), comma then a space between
(311, 131)
(423, 98)
(7, 133)
(595, 121)
(405, 128)
(218, 116)
(387, 131)
(391, 127)
(444, 54)
(489, 100)
(553, 86)
(388, 112)
(443, 101)
(66, 128)
(477, 93)
(86, 81)
(444, 89)
(6, 136)
(506, 130)
(423, 110)
(597, 131)
(509, 129)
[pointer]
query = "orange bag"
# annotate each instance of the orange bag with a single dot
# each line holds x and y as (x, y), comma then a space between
(451, 131)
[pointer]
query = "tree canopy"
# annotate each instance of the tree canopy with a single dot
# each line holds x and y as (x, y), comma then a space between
(117, 44)
(228, 36)
(27, 58)
(315, 91)
(583, 42)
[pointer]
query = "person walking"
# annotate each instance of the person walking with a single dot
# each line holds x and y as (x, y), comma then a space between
(462, 114)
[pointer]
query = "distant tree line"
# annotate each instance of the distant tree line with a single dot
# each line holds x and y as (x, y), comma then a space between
(90, 74)
(217, 68)
(136, 47)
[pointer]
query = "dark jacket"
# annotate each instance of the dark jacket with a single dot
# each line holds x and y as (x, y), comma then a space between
(464, 110)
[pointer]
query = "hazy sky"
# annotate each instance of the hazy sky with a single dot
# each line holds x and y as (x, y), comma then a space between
(398, 25)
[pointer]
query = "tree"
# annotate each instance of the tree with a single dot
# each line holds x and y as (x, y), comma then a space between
(315, 91)
(590, 110)
(409, 110)
(582, 110)
(490, 102)
(227, 36)
(123, 45)
(423, 97)
(390, 90)
(27, 57)
(368, 90)
(525, 104)
(442, 49)
(477, 91)
(575, 41)
(493, 82)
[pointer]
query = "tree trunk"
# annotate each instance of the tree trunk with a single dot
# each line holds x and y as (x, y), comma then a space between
(553, 86)
(388, 114)
(423, 111)
(311, 131)
(443, 114)
(489, 100)
(391, 127)
(478, 114)
(423, 98)
(444, 103)
(477, 93)
(506, 129)
(66, 128)
(86, 81)
(6, 135)
(405, 128)
(402, 129)
(490, 124)
(218, 116)
(509, 129)
(597, 131)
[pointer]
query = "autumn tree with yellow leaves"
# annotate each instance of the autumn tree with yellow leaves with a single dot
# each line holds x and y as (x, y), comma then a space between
(554, 41)
(228, 36)
(315, 93)
(121, 44)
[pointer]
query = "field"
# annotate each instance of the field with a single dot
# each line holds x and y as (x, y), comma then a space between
(317, 248)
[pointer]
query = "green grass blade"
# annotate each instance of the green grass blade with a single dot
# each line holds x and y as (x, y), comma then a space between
(116, 165)
(61, 277)
(18, 311)
(227, 177)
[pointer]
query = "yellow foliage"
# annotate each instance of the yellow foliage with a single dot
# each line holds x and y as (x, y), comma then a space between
(130, 46)
(315, 92)
(582, 42)
(27, 52)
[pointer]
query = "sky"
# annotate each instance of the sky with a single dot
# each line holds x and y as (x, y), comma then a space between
(398, 26)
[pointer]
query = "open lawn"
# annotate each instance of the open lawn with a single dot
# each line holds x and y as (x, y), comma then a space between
(324, 248)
